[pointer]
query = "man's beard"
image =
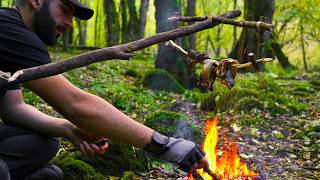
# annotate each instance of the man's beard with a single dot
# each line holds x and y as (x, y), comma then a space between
(44, 25)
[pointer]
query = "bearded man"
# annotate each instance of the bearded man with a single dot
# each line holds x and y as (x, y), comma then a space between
(28, 138)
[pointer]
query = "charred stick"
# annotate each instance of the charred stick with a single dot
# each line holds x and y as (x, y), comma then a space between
(215, 177)
(112, 52)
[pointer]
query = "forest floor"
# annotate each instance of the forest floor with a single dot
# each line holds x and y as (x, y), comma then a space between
(274, 117)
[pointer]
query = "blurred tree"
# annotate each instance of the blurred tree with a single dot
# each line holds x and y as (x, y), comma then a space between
(143, 17)
(133, 27)
(191, 11)
(82, 29)
(168, 59)
(249, 40)
(67, 38)
(112, 23)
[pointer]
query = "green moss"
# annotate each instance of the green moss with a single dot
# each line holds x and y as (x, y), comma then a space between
(117, 159)
(76, 169)
(161, 80)
(120, 158)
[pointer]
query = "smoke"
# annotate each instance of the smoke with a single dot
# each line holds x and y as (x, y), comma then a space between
(184, 130)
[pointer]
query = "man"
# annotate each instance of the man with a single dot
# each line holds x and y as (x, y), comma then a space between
(26, 145)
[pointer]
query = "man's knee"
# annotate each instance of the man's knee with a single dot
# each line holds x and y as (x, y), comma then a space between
(4, 170)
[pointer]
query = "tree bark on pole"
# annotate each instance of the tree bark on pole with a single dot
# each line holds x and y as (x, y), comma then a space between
(111, 52)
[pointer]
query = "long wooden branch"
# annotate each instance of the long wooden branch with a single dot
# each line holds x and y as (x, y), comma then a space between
(259, 25)
(112, 52)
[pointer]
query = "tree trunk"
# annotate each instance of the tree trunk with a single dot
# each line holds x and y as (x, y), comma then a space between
(168, 59)
(82, 27)
(282, 58)
(124, 21)
(133, 24)
(112, 23)
(96, 25)
(191, 11)
(234, 27)
(67, 38)
(143, 17)
(303, 47)
(249, 40)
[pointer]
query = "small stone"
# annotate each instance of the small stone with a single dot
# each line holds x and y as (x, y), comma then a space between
(293, 168)
(292, 156)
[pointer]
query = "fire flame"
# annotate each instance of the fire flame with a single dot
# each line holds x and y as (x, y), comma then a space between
(229, 164)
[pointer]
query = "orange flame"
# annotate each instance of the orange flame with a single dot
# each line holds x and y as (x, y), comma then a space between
(229, 164)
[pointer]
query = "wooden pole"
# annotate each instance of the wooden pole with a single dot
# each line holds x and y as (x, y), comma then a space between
(115, 52)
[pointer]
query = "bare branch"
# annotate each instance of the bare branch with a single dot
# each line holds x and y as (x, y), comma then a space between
(259, 25)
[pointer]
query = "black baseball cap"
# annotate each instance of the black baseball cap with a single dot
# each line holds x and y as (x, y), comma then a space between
(81, 11)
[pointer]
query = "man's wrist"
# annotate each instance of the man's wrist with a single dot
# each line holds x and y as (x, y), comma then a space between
(158, 143)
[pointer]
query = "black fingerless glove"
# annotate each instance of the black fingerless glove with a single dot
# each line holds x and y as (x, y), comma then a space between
(183, 152)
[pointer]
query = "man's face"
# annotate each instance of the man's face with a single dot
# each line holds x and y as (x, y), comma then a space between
(51, 21)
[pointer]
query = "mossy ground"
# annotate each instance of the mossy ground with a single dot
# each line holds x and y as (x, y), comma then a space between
(274, 103)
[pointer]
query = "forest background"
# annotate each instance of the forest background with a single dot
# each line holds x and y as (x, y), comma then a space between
(276, 112)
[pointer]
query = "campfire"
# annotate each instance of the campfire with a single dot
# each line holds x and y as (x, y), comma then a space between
(225, 165)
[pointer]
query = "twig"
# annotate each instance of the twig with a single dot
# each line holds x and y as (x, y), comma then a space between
(111, 52)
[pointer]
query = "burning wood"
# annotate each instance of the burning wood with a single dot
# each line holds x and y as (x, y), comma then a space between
(226, 166)
(225, 70)
(259, 25)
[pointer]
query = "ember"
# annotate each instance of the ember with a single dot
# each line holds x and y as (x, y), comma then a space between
(229, 164)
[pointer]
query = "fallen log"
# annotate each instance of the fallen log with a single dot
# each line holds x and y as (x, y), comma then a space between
(115, 52)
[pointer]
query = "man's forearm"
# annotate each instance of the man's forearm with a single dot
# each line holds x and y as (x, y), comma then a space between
(94, 114)
(29, 117)
(90, 112)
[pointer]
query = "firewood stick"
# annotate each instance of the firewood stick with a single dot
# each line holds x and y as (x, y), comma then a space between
(259, 25)
(108, 53)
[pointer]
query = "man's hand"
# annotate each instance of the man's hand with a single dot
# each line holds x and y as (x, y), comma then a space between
(183, 152)
(82, 138)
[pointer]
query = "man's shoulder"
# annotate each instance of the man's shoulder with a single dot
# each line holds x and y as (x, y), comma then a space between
(12, 27)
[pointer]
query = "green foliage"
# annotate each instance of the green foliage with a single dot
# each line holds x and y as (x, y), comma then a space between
(161, 80)
(128, 175)
(252, 120)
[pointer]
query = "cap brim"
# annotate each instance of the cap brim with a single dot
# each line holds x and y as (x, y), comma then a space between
(81, 11)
